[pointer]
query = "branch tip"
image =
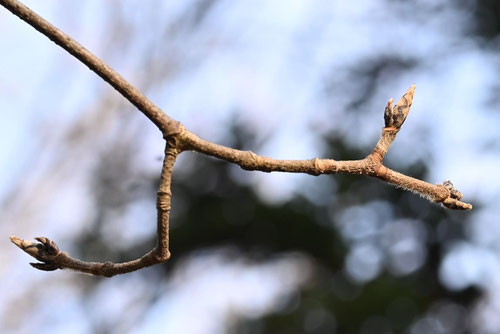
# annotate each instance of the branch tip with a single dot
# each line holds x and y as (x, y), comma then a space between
(454, 204)
(395, 117)
(453, 201)
(45, 251)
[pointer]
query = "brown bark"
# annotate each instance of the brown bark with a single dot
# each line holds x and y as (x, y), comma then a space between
(179, 139)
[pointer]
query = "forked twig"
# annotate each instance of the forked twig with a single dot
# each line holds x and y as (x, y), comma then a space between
(178, 139)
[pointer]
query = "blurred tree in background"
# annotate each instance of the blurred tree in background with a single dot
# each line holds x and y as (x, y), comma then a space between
(349, 254)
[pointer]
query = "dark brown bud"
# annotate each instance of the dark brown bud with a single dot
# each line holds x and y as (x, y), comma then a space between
(395, 117)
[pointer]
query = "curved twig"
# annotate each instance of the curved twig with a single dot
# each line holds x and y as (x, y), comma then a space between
(47, 252)
(179, 139)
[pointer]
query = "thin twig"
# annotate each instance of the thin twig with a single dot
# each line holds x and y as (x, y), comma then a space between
(166, 124)
(179, 139)
(47, 252)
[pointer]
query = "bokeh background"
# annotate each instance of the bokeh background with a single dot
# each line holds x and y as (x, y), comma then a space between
(254, 252)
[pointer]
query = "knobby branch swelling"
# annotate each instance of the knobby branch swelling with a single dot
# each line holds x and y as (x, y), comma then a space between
(179, 139)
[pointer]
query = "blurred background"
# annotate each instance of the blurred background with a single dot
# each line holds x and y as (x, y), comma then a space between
(253, 252)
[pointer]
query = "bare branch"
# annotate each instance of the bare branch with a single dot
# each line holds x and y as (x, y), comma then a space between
(47, 252)
(167, 125)
(51, 258)
(370, 166)
(179, 139)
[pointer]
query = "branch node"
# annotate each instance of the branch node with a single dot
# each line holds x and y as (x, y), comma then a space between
(253, 156)
(251, 162)
(106, 269)
(162, 256)
(163, 200)
(317, 166)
